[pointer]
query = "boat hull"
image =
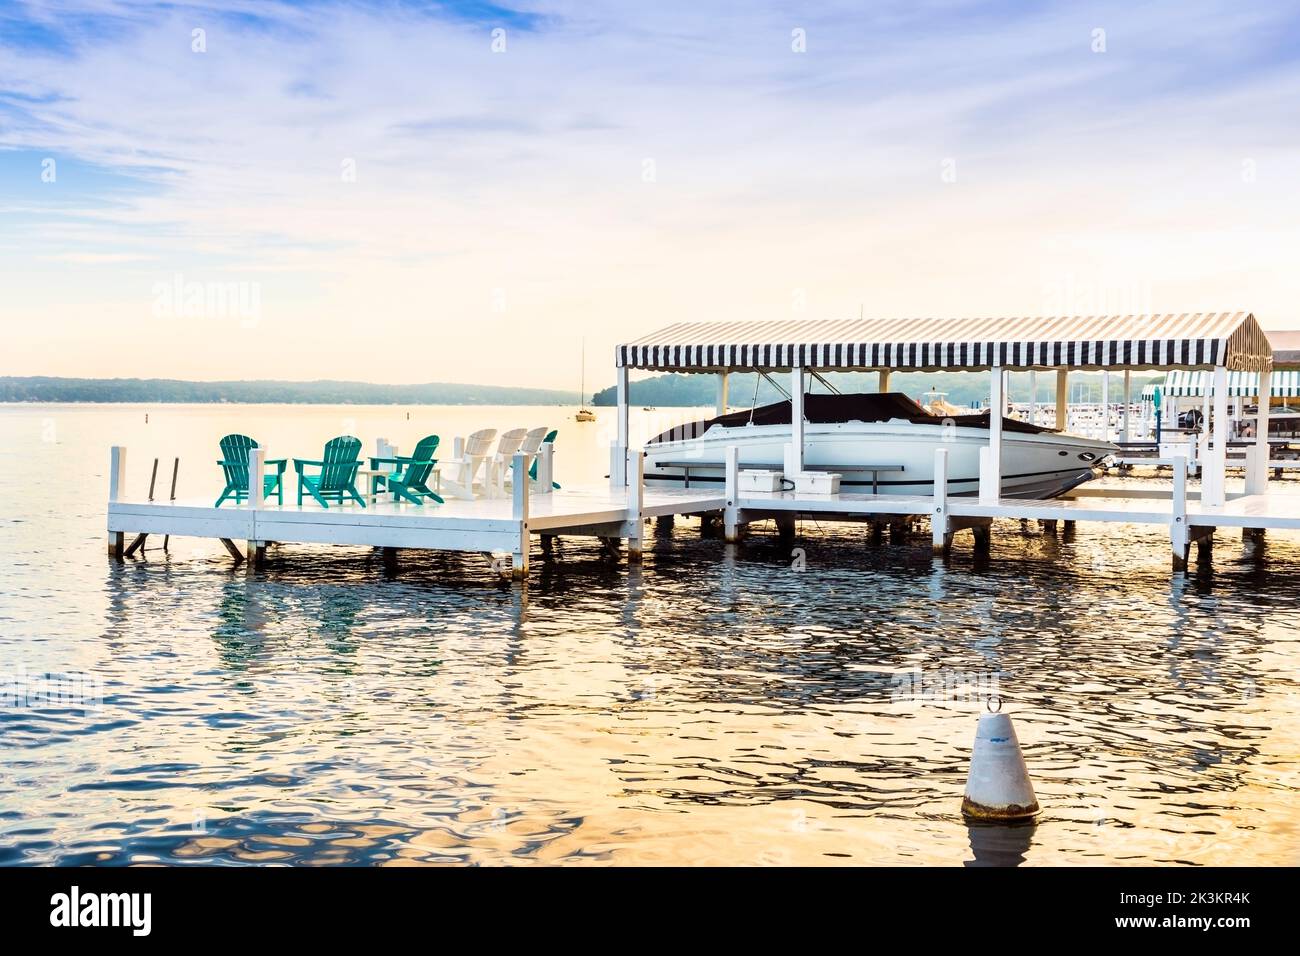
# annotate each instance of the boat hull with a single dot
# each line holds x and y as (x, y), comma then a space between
(1039, 465)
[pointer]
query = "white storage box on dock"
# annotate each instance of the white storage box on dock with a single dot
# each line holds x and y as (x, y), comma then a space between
(756, 479)
(817, 483)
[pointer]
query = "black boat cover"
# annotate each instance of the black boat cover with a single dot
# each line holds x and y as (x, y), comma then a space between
(823, 409)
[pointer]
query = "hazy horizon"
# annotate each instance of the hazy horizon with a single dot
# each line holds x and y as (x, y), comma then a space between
(464, 192)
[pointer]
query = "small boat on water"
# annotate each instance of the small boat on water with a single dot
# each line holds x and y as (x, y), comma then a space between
(584, 414)
(889, 430)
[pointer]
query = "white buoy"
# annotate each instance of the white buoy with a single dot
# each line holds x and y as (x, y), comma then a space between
(998, 789)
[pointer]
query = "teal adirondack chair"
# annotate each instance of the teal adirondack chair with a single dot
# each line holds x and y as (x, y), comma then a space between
(532, 471)
(234, 462)
(337, 478)
(410, 479)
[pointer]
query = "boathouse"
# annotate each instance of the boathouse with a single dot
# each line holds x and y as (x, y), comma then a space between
(1217, 342)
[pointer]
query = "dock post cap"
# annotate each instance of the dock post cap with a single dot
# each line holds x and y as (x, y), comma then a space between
(998, 789)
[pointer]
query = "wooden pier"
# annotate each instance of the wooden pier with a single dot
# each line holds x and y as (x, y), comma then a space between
(499, 527)
(503, 527)
(1214, 342)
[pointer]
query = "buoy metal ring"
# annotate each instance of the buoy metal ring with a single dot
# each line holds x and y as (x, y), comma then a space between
(991, 702)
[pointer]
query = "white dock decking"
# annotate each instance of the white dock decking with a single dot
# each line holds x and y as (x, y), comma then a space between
(493, 525)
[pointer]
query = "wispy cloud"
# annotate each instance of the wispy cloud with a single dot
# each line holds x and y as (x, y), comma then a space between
(597, 168)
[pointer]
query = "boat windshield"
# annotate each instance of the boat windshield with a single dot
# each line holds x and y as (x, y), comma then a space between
(834, 409)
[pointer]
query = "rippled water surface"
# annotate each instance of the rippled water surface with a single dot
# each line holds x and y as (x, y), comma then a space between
(715, 705)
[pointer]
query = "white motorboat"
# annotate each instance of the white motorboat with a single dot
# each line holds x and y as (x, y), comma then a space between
(889, 432)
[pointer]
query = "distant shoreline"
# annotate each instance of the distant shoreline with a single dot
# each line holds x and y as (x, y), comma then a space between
(105, 402)
(26, 390)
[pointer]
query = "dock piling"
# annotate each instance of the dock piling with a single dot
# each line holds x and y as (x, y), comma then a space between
(1179, 539)
(116, 491)
(255, 550)
(940, 522)
(635, 504)
(731, 517)
(519, 559)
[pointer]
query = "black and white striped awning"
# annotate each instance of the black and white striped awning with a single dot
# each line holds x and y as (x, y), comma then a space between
(1188, 340)
(1180, 384)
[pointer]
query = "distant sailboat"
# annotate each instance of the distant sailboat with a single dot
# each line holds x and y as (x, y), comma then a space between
(584, 413)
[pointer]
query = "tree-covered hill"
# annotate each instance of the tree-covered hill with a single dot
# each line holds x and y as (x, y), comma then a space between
(42, 389)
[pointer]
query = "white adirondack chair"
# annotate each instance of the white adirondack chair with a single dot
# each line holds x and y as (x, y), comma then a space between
(532, 444)
(507, 448)
(460, 473)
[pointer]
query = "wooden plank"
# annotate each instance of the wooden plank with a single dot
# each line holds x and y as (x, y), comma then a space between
(231, 526)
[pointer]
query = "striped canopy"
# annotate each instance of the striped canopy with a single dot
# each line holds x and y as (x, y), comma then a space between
(1189, 340)
(1282, 384)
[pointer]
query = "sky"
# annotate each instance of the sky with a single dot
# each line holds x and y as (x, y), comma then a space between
(464, 191)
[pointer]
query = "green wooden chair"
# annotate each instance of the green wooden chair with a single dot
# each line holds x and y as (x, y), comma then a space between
(410, 479)
(532, 471)
(234, 462)
(337, 479)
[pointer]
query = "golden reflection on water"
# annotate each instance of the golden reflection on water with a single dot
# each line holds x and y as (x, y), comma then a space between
(713, 706)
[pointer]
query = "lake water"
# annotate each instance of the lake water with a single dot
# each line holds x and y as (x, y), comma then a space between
(739, 705)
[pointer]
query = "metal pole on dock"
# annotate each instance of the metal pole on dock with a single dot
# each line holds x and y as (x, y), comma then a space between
(176, 467)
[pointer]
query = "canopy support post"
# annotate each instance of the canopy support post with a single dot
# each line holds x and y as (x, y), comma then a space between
(1062, 399)
(1104, 433)
(1214, 478)
(794, 451)
(884, 381)
(991, 462)
(1128, 385)
(721, 399)
(618, 454)
(1203, 452)
(1257, 463)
